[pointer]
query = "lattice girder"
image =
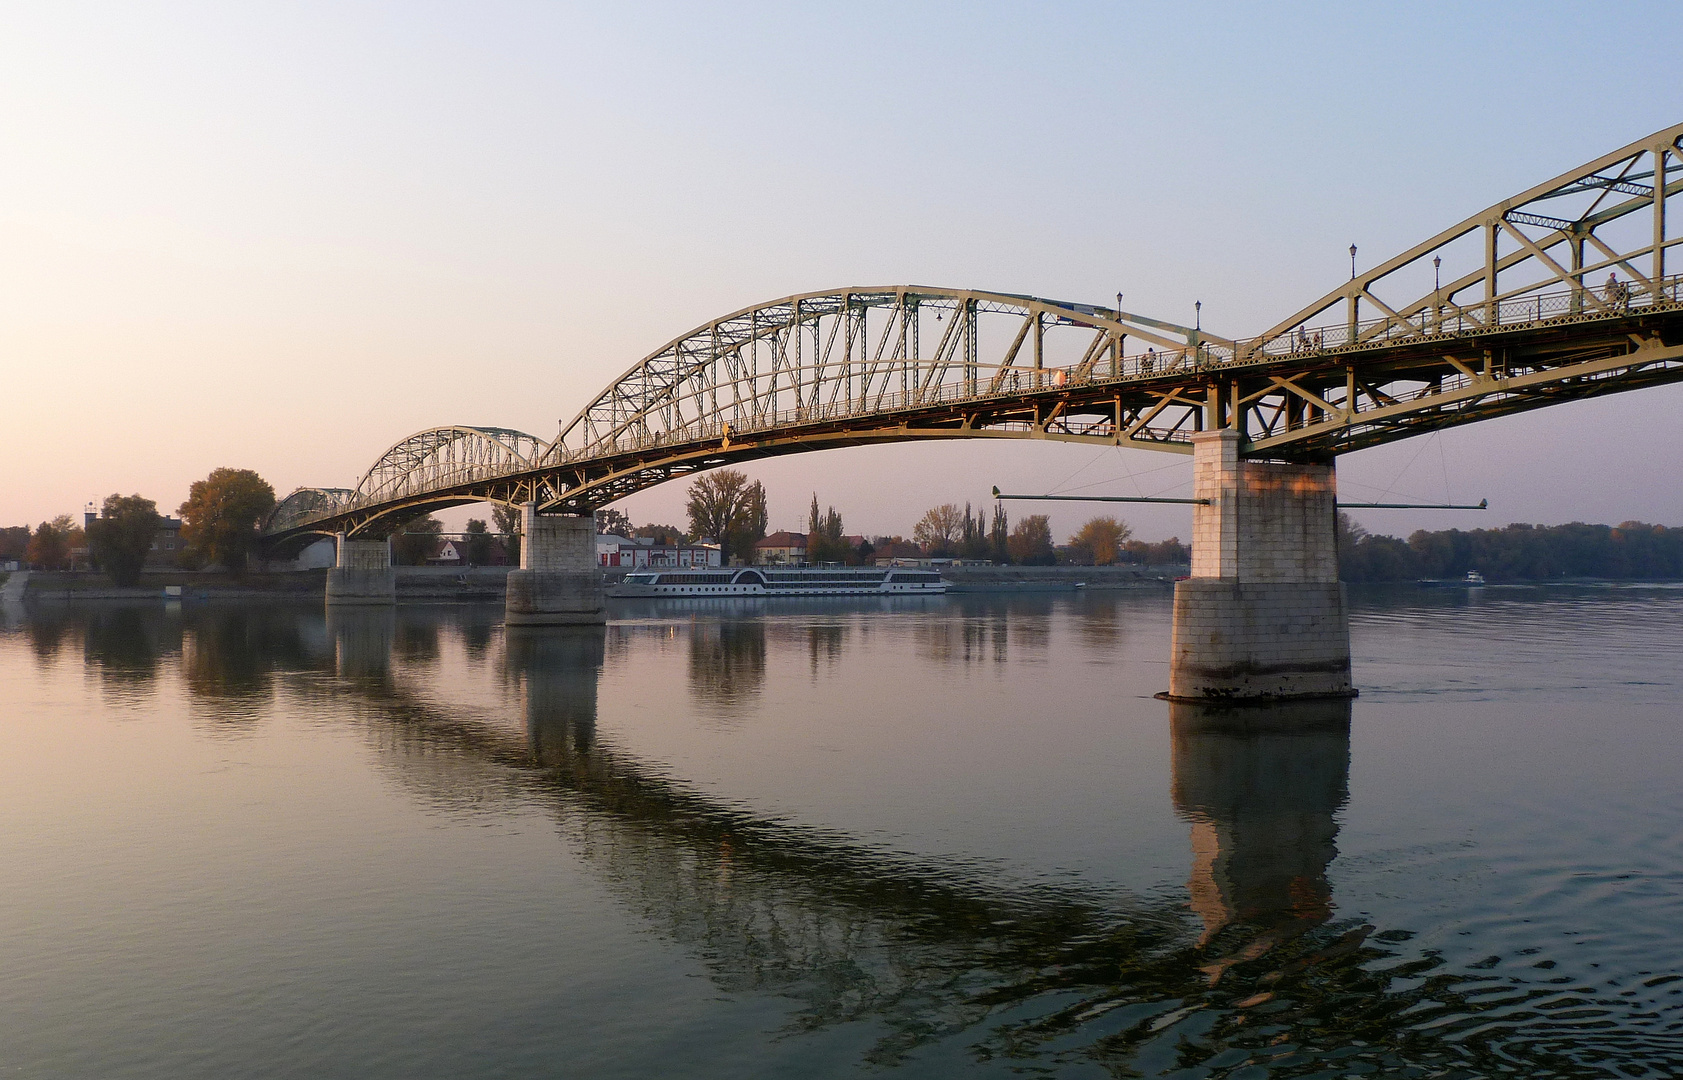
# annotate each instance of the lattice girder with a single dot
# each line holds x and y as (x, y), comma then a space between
(1516, 322)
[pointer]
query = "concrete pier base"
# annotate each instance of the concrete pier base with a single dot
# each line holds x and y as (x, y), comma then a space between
(1263, 616)
(362, 573)
(559, 582)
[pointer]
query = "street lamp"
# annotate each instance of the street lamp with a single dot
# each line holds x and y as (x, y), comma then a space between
(1198, 315)
(1352, 262)
(1118, 305)
(1437, 261)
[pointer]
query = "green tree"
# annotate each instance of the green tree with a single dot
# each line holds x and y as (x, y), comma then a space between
(223, 513)
(939, 528)
(508, 527)
(49, 548)
(122, 535)
(999, 535)
(414, 543)
(14, 543)
(1031, 541)
(1100, 541)
(1170, 552)
(725, 506)
(824, 541)
(478, 542)
(660, 534)
(613, 521)
(973, 540)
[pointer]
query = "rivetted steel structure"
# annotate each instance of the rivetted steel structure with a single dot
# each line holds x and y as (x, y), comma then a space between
(1505, 311)
(1561, 292)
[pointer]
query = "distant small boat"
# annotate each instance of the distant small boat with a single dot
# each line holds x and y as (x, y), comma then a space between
(1473, 580)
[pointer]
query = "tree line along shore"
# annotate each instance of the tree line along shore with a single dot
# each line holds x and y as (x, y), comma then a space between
(1629, 551)
(223, 512)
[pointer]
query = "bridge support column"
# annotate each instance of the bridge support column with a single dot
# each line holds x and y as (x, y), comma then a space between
(559, 582)
(1263, 616)
(362, 573)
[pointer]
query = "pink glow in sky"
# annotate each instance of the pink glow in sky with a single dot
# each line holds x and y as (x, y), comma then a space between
(282, 237)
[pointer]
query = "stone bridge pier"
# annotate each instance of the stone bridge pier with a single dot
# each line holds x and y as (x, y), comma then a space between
(1263, 615)
(362, 573)
(559, 582)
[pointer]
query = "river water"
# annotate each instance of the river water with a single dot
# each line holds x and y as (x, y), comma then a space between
(926, 837)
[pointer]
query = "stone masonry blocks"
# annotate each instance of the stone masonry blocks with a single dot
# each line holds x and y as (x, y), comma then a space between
(559, 582)
(1263, 616)
(362, 573)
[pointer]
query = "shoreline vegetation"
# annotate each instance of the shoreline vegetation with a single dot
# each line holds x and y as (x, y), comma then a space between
(1517, 553)
(220, 522)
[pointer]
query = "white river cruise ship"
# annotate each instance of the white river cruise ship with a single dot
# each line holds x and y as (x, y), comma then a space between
(780, 581)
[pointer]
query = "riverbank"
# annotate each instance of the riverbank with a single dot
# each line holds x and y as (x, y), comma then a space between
(1058, 578)
(445, 584)
(429, 584)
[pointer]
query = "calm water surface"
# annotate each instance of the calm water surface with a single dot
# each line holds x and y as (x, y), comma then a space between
(921, 838)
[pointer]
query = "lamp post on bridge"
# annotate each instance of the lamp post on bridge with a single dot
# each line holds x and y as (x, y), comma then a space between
(1352, 262)
(1437, 291)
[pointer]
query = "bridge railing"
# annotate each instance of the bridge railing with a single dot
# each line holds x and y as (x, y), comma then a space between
(1447, 318)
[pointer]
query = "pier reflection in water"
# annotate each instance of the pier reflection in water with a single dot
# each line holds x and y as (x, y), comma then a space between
(935, 963)
(1261, 787)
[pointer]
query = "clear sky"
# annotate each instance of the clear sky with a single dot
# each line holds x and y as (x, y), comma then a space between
(283, 236)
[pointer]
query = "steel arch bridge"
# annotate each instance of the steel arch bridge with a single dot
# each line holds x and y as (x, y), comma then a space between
(1503, 312)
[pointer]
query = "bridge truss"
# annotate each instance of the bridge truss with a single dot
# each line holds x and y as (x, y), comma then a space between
(1503, 312)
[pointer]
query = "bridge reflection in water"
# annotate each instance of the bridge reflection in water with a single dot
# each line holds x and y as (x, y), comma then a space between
(1254, 965)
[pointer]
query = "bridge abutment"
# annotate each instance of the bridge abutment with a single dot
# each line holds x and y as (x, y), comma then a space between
(559, 582)
(1263, 615)
(362, 573)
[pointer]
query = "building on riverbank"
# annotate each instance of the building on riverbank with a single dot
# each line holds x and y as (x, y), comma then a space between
(640, 553)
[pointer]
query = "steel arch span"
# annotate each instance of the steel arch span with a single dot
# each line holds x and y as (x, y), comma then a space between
(1500, 313)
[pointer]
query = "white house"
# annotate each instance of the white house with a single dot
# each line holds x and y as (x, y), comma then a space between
(640, 553)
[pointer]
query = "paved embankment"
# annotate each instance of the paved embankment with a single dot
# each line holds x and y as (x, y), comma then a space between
(12, 591)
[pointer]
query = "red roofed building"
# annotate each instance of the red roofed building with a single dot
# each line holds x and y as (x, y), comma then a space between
(781, 549)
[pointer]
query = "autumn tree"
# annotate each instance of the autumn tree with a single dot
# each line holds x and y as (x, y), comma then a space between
(121, 536)
(938, 528)
(824, 542)
(1100, 540)
(222, 514)
(49, 548)
(1031, 541)
(508, 527)
(478, 542)
(725, 506)
(414, 543)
